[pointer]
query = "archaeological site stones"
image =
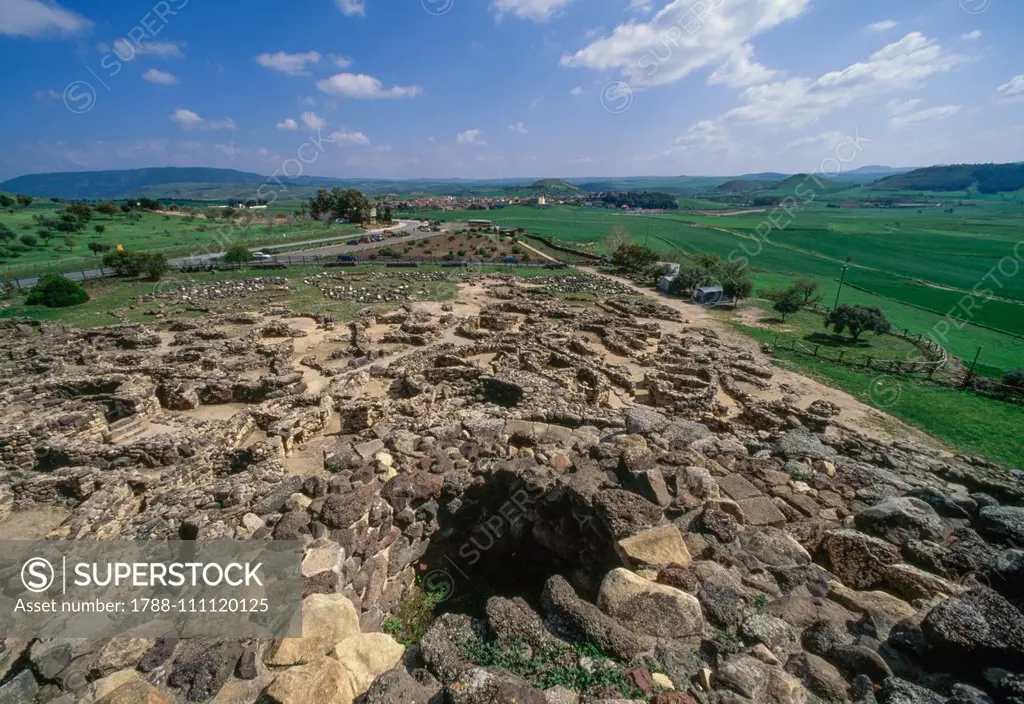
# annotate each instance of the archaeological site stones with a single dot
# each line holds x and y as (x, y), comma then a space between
(550, 489)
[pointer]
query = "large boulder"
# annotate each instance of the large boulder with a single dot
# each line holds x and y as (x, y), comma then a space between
(976, 630)
(661, 545)
(802, 443)
(650, 608)
(901, 519)
(859, 560)
(366, 656)
(327, 619)
(1003, 523)
(569, 616)
(323, 679)
(625, 513)
(644, 421)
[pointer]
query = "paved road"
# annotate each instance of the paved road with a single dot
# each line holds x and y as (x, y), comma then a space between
(408, 225)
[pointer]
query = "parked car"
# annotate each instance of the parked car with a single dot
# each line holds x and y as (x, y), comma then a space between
(261, 256)
(352, 242)
(510, 260)
(347, 258)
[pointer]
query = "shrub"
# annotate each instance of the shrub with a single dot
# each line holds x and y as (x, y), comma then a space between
(634, 257)
(136, 264)
(29, 240)
(411, 619)
(100, 229)
(54, 291)
(238, 253)
(1015, 379)
(857, 319)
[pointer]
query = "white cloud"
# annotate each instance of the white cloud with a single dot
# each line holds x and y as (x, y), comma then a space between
(47, 96)
(706, 135)
(677, 41)
(191, 121)
(164, 78)
(535, 10)
(740, 70)
(972, 36)
(340, 61)
(470, 137)
(33, 18)
(902, 107)
(230, 149)
(312, 121)
(288, 125)
(290, 64)
(576, 92)
(1012, 91)
(644, 6)
(128, 51)
(361, 86)
(881, 26)
(351, 7)
(937, 113)
(800, 101)
(346, 137)
(825, 140)
(518, 127)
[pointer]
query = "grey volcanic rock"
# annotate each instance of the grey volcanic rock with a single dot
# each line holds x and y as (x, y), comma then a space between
(568, 615)
(625, 513)
(901, 519)
(1003, 523)
(801, 443)
(859, 560)
(977, 629)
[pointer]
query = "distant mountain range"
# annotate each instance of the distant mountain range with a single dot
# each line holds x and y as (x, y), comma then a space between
(209, 184)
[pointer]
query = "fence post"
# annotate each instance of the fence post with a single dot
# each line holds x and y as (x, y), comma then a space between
(868, 364)
(816, 350)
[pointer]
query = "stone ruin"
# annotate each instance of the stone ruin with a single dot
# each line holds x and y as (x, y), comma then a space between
(607, 501)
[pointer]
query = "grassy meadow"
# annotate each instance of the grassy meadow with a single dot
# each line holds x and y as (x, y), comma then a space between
(920, 268)
(173, 235)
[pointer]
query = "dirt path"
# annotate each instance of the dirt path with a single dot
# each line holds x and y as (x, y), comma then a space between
(537, 251)
(854, 413)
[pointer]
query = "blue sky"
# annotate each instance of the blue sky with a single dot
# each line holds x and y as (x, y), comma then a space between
(510, 88)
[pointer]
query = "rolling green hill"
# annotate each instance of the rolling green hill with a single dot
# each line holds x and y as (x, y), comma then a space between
(986, 178)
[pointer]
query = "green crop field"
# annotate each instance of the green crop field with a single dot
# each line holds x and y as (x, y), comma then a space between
(918, 267)
(174, 235)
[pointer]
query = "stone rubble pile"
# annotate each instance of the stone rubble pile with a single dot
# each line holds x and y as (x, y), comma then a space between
(596, 531)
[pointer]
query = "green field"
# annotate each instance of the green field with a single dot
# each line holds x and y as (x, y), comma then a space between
(174, 235)
(916, 267)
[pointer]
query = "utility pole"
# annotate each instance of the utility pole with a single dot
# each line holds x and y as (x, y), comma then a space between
(970, 374)
(842, 280)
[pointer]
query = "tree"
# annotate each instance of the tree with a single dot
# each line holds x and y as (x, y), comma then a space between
(5, 233)
(320, 204)
(137, 264)
(24, 201)
(690, 278)
(54, 291)
(227, 213)
(857, 319)
(80, 211)
(100, 229)
(634, 257)
(6, 201)
(785, 302)
(69, 242)
(98, 247)
(738, 287)
(238, 253)
(807, 290)
(108, 208)
(29, 240)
